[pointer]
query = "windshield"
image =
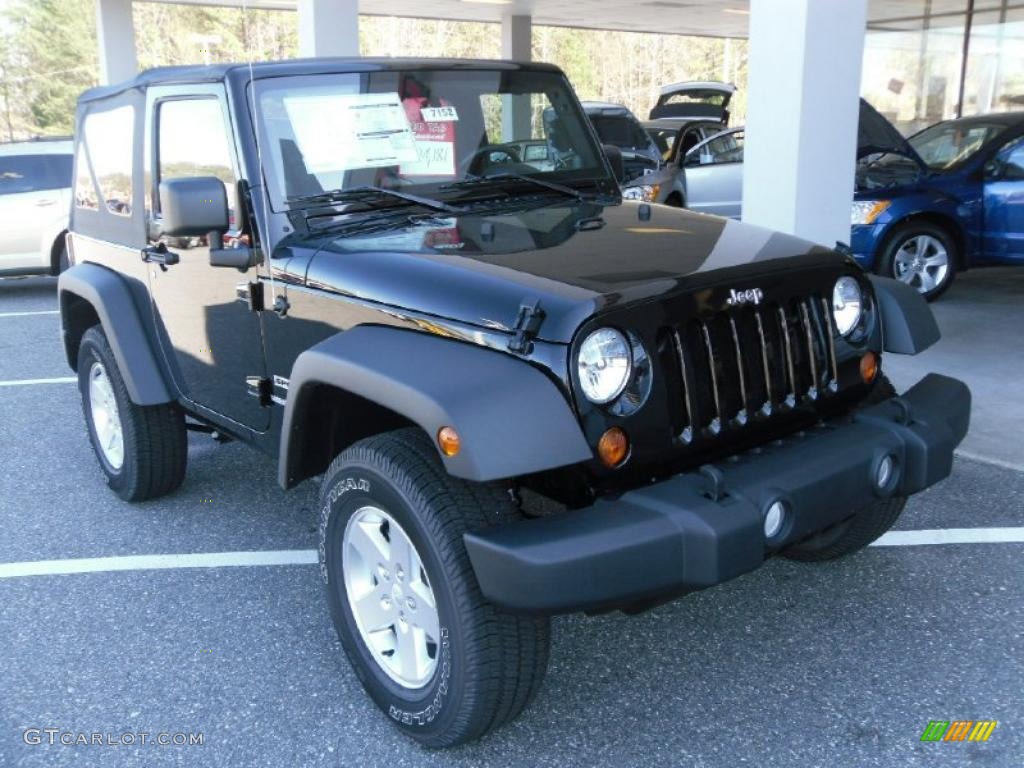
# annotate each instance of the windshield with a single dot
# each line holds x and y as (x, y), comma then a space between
(419, 131)
(664, 139)
(621, 131)
(944, 145)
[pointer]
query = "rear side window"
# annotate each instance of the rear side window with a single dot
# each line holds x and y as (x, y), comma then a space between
(107, 137)
(34, 173)
(193, 141)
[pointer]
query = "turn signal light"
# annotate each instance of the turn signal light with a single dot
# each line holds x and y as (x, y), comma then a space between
(869, 367)
(448, 441)
(613, 447)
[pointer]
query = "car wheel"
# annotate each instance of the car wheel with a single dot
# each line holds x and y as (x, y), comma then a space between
(437, 658)
(142, 450)
(922, 255)
(866, 525)
(63, 262)
(675, 200)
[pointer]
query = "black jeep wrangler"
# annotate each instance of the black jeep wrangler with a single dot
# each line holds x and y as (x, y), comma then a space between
(418, 281)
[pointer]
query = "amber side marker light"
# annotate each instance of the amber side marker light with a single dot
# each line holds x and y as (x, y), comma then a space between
(613, 447)
(448, 440)
(869, 367)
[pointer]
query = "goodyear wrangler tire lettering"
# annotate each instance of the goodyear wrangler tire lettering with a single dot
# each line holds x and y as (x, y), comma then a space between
(348, 484)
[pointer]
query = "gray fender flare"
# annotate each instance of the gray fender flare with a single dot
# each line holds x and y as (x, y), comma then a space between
(512, 420)
(111, 299)
(908, 325)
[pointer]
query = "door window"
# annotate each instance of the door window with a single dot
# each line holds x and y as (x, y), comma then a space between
(1012, 157)
(722, 149)
(193, 141)
(34, 173)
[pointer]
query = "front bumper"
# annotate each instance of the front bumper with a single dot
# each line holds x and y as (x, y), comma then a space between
(698, 529)
(864, 242)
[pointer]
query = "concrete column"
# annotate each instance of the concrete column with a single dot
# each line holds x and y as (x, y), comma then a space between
(802, 111)
(115, 37)
(328, 28)
(516, 45)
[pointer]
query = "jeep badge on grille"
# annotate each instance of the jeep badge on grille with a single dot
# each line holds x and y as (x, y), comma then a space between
(750, 296)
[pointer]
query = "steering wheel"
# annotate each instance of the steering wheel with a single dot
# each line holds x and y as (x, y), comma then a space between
(483, 157)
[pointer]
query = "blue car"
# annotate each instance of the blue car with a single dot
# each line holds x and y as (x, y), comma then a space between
(947, 198)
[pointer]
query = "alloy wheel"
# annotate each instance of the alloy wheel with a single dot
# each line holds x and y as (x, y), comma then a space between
(390, 596)
(106, 418)
(922, 262)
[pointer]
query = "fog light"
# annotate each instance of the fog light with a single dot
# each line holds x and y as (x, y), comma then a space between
(869, 367)
(885, 471)
(448, 440)
(774, 518)
(613, 447)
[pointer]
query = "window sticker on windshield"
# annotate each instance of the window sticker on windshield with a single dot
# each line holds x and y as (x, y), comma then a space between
(345, 131)
(434, 158)
(434, 139)
(439, 114)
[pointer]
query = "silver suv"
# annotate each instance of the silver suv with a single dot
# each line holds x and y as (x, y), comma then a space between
(35, 202)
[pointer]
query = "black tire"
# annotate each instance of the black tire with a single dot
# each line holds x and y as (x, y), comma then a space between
(59, 257)
(866, 525)
(675, 200)
(901, 236)
(490, 664)
(154, 438)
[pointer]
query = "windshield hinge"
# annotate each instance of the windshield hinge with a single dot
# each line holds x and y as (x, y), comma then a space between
(260, 387)
(527, 325)
(251, 294)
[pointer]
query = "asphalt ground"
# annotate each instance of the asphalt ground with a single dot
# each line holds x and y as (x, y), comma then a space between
(838, 664)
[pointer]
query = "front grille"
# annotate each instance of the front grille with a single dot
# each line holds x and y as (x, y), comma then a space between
(751, 363)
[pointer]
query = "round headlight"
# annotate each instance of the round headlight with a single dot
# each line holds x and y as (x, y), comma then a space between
(604, 365)
(847, 304)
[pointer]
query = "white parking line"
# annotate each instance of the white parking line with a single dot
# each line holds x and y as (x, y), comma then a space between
(987, 460)
(158, 562)
(28, 382)
(951, 536)
(26, 314)
(310, 557)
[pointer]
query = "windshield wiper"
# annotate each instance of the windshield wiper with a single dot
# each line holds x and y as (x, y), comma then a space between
(473, 180)
(360, 194)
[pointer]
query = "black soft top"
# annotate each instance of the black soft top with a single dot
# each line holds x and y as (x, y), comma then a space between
(221, 72)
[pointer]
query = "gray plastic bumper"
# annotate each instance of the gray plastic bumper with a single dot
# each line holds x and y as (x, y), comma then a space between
(698, 529)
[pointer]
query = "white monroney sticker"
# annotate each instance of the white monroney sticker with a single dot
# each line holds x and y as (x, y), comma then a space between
(439, 115)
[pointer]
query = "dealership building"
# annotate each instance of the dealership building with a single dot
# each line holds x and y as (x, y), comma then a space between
(916, 61)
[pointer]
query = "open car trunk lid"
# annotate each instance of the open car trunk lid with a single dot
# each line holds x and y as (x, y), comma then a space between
(694, 100)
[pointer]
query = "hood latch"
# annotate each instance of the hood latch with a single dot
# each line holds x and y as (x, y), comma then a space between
(528, 322)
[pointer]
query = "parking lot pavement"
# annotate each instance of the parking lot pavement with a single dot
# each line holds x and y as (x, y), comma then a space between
(982, 322)
(835, 664)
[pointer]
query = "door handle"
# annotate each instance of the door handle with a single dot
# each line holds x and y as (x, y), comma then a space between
(158, 254)
(45, 202)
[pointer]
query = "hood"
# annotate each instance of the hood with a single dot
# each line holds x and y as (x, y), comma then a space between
(575, 259)
(706, 100)
(875, 134)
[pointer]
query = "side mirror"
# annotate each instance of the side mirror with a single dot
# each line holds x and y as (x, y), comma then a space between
(614, 155)
(992, 170)
(193, 206)
(197, 206)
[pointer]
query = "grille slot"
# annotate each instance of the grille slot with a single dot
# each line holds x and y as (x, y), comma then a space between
(748, 362)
